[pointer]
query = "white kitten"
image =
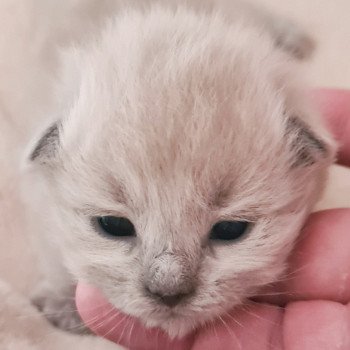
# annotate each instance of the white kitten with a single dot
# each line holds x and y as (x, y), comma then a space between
(191, 126)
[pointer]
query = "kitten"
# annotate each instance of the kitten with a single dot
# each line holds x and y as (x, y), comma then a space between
(182, 165)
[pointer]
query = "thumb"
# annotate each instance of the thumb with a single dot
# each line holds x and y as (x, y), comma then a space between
(104, 320)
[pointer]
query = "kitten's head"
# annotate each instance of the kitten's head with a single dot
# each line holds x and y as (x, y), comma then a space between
(184, 167)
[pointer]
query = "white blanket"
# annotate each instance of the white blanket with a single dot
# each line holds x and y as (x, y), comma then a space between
(22, 327)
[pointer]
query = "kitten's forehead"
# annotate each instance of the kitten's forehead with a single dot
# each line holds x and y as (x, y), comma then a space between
(170, 76)
(193, 115)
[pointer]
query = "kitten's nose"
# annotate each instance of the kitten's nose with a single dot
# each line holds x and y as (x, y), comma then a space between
(170, 300)
(170, 278)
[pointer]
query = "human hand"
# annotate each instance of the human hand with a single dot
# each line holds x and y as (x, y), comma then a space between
(309, 310)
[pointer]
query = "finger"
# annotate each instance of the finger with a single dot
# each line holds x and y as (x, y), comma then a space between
(322, 258)
(254, 328)
(335, 106)
(109, 323)
(303, 325)
(311, 325)
(317, 325)
(320, 264)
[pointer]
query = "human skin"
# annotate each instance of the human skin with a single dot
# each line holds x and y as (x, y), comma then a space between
(309, 309)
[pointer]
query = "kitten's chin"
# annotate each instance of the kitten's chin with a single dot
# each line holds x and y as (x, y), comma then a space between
(175, 328)
(179, 326)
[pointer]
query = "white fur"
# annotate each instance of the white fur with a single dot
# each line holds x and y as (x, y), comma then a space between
(177, 119)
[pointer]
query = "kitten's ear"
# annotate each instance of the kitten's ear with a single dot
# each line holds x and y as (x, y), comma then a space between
(287, 35)
(292, 39)
(308, 147)
(45, 150)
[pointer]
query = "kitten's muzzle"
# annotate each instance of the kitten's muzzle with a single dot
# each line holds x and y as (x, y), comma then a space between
(170, 279)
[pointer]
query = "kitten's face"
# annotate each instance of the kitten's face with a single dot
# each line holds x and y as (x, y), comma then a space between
(177, 135)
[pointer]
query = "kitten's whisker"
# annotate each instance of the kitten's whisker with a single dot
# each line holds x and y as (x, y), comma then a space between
(215, 330)
(157, 337)
(130, 331)
(260, 317)
(227, 314)
(110, 316)
(209, 326)
(295, 271)
(231, 332)
(258, 303)
(90, 323)
(272, 294)
(113, 327)
(126, 319)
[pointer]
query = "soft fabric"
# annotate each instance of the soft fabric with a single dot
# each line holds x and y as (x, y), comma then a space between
(22, 327)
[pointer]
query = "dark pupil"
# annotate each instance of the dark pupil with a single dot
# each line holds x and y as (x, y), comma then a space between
(228, 230)
(116, 226)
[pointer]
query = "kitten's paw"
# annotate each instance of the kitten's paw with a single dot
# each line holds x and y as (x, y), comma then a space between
(60, 312)
(293, 40)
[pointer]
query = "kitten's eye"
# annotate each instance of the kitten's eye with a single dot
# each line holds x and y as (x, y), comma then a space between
(228, 230)
(116, 226)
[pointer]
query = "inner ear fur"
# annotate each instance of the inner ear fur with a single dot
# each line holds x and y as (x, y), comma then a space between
(46, 148)
(307, 146)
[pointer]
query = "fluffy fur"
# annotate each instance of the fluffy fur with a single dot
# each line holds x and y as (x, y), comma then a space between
(23, 328)
(176, 119)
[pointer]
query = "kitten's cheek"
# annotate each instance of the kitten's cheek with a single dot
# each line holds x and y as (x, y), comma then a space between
(104, 320)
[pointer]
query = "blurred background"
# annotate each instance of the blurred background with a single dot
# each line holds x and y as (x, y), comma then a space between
(29, 31)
